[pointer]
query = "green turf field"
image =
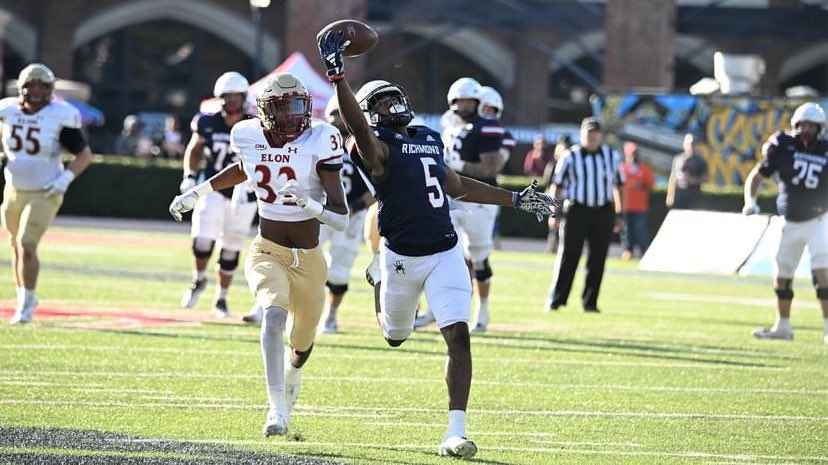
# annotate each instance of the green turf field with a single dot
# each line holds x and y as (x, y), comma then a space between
(667, 374)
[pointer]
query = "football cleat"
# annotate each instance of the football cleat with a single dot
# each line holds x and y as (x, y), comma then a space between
(190, 298)
(771, 333)
(457, 446)
(479, 328)
(220, 309)
(276, 424)
(24, 313)
(424, 320)
(254, 316)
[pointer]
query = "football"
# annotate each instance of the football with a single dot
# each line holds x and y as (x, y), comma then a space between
(362, 36)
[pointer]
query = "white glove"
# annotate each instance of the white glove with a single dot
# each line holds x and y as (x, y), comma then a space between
(187, 183)
(290, 192)
(750, 208)
(183, 203)
(59, 185)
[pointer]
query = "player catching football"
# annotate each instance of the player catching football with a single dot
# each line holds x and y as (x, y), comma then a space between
(801, 161)
(294, 165)
(405, 171)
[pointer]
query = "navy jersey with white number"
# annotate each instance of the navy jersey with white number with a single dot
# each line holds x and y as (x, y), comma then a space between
(411, 195)
(468, 140)
(803, 175)
(216, 136)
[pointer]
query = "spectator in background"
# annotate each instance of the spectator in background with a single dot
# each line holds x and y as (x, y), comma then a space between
(686, 178)
(637, 188)
(171, 146)
(131, 141)
(537, 158)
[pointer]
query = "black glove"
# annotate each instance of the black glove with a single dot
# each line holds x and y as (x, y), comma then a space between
(538, 203)
(331, 46)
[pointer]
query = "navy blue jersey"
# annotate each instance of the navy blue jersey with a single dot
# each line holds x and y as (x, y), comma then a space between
(468, 140)
(411, 194)
(352, 182)
(215, 134)
(803, 175)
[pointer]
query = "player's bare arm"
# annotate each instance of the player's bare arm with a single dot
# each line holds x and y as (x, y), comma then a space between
(470, 190)
(228, 177)
(81, 161)
(489, 166)
(333, 188)
(192, 154)
(374, 153)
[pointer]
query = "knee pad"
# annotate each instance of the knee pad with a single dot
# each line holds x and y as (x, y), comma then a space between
(822, 293)
(337, 289)
(275, 319)
(482, 271)
(228, 261)
(202, 247)
(786, 293)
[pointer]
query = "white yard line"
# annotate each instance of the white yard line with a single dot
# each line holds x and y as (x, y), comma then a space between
(406, 381)
(374, 412)
(398, 358)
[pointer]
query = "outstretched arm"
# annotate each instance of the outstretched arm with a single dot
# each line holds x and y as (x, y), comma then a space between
(374, 153)
(228, 177)
(528, 200)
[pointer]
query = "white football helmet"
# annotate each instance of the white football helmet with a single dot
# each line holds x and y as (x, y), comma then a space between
(465, 87)
(36, 72)
(230, 82)
(399, 110)
(284, 106)
(810, 112)
(489, 97)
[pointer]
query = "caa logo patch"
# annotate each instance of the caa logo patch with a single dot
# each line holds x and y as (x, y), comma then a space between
(260, 147)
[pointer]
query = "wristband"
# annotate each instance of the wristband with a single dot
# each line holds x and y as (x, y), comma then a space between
(313, 208)
(203, 189)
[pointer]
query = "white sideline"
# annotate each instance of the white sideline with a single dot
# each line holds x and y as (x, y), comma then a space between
(740, 458)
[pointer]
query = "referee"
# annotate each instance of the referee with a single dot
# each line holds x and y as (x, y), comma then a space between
(588, 177)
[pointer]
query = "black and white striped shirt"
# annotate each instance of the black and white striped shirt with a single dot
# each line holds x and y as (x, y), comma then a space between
(589, 177)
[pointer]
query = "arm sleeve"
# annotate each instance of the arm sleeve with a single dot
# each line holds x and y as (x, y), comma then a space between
(72, 139)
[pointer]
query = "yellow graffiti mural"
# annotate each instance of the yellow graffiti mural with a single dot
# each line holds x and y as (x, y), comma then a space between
(732, 129)
(733, 140)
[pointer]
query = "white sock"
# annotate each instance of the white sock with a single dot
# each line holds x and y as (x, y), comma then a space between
(221, 293)
(332, 313)
(199, 275)
(825, 323)
(276, 397)
(457, 423)
(483, 312)
(782, 324)
(21, 295)
(29, 295)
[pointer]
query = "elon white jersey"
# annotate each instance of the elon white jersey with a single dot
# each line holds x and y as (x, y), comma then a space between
(32, 142)
(269, 168)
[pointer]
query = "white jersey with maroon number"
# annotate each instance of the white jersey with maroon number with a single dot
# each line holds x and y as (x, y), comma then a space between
(32, 142)
(269, 168)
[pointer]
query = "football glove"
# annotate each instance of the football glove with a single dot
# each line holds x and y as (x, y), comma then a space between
(183, 203)
(290, 192)
(538, 203)
(331, 46)
(187, 183)
(59, 185)
(750, 209)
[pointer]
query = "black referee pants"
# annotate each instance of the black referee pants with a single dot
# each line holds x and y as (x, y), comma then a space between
(591, 224)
